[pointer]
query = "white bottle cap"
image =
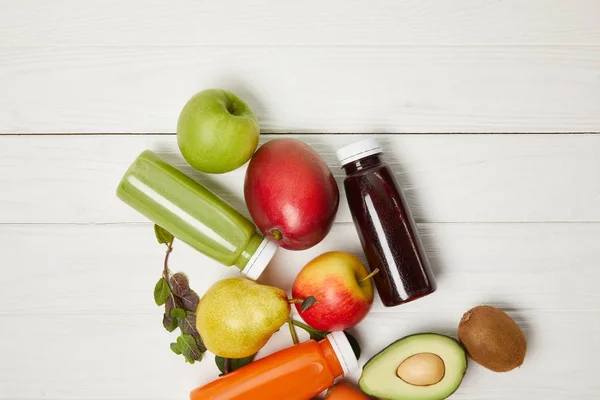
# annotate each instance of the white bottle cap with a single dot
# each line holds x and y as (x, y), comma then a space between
(357, 150)
(260, 259)
(343, 351)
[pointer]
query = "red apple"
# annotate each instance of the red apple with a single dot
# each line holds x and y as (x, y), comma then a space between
(291, 193)
(342, 287)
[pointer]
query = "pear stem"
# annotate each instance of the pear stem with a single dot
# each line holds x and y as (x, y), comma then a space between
(226, 366)
(295, 301)
(293, 331)
(372, 274)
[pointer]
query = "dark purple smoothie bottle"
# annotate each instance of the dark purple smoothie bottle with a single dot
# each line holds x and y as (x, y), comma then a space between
(385, 225)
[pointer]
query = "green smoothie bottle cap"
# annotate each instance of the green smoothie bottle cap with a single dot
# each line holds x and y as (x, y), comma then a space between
(260, 259)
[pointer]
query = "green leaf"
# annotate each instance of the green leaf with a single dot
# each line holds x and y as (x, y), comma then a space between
(179, 284)
(189, 360)
(189, 348)
(169, 323)
(234, 363)
(190, 301)
(308, 303)
(172, 303)
(354, 343)
(187, 324)
(177, 314)
(175, 348)
(162, 235)
(161, 292)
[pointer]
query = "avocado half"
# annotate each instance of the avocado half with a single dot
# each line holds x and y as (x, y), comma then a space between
(380, 377)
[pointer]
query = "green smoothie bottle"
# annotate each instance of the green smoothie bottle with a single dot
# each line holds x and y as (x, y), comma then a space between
(195, 215)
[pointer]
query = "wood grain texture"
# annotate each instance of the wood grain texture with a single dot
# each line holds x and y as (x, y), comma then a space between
(304, 88)
(446, 178)
(78, 320)
(307, 23)
(126, 356)
(523, 266)
(507, 220)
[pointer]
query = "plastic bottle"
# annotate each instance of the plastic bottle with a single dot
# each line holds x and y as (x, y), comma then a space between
(195, 215)
(385, 225)
(296, 373)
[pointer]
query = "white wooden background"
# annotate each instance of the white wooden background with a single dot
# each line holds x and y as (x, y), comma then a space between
(510, 220)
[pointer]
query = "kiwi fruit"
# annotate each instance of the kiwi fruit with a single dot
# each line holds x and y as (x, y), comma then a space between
(492, 338)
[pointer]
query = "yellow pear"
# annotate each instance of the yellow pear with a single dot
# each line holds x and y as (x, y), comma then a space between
(237, 316)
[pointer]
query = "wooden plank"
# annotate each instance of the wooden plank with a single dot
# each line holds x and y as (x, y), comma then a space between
(354, 22)
(98, 334)
(447, 178)
(81, 269)
(120, 356)
(79, 322)
(304, 88)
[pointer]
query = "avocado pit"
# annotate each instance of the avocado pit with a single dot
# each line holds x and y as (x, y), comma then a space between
(423, 369)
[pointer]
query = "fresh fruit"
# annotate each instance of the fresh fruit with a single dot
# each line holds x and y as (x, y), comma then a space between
(237, 316)
(492, 338)
(424, 366)
(343, 391)
(342, 287)
(217, 132)
(291, 193)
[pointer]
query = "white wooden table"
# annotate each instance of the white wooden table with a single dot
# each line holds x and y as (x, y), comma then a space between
(511, 220)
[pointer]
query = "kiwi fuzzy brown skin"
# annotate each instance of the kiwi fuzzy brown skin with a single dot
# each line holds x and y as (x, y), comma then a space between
(492, 338)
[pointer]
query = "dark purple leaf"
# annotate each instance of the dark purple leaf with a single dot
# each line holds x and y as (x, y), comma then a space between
(172, 303)
(179, 284)
(169, 323)
(190, 301)
(188, 324)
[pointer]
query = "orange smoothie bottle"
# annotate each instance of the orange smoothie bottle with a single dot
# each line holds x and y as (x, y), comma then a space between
(296, 373)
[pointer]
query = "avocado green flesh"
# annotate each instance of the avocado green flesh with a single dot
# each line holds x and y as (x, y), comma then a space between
(379, 374)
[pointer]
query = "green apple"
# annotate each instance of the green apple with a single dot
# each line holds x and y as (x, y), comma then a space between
(217, 132)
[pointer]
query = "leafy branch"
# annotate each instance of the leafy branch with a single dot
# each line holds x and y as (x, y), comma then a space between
(173, 291)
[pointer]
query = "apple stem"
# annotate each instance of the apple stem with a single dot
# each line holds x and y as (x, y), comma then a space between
(372, 274)
(276, 233)
(293, 331)
(295, 301)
